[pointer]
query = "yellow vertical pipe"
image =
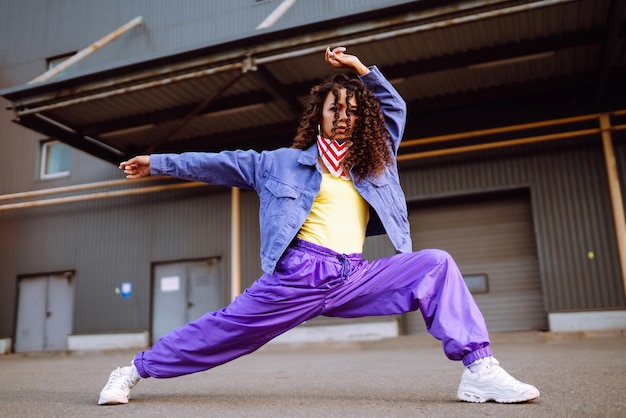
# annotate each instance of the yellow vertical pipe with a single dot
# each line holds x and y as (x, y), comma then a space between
(615, 192)
(235, 244)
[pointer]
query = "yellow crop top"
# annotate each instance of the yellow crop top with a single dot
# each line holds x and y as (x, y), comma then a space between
(338, 217)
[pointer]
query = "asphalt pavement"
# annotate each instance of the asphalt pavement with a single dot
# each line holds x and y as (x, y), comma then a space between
(579, 375)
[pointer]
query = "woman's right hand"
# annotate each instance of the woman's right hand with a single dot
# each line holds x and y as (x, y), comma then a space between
(136, 167)
(339, 59)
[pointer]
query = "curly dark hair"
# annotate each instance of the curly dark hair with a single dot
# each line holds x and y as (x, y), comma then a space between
(371, 149)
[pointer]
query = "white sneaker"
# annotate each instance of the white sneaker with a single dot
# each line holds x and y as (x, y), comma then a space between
(117, 389)
(492, 383)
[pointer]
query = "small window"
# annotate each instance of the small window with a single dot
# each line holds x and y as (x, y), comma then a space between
(55, 61)
(55, 160)
(477, 283)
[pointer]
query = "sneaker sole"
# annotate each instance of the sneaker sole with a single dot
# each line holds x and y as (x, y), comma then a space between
(470, 396)
(112, 401)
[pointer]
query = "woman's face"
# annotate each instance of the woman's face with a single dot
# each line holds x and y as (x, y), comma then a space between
(328, 116)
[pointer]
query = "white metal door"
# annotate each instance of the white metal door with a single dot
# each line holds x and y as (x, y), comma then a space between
(45, 309)
(184, 291)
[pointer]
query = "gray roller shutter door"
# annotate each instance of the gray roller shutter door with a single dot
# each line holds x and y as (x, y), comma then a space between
(493, 237)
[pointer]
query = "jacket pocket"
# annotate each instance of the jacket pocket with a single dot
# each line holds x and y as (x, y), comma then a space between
(279, 189)
(278, 199)
(389, 192)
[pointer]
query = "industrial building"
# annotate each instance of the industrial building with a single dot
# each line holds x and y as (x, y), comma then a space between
(513, 160)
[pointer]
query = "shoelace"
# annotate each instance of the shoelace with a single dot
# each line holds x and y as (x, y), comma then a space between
(118, 379)
(506, 377)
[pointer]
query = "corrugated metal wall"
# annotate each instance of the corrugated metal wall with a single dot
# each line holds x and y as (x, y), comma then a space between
(250, 239)
(571, 212)
(33, 31)
(10, 231)
(60, 26)
(108, 242)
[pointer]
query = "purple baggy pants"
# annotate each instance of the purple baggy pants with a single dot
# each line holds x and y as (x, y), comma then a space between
(310, 281)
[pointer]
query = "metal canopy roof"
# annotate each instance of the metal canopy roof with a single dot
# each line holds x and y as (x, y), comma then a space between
(248, 93)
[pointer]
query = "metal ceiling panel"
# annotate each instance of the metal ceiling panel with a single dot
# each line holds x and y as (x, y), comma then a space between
(250, 93)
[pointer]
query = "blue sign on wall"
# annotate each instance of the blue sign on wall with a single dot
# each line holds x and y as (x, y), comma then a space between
(127, 289)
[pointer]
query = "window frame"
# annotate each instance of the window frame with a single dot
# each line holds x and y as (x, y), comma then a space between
(53, 62)
(44, 150)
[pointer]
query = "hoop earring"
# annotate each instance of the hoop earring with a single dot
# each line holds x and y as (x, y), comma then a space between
(319, 130)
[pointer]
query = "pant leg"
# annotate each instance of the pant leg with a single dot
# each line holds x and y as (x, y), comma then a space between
(271, 306)
(427, 280)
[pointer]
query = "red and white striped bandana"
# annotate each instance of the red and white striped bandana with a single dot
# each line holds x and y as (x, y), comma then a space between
(332, 152)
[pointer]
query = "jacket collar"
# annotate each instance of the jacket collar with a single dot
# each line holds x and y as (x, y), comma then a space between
(309, 156)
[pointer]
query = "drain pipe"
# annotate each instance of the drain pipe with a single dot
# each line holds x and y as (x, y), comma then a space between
(235, 243)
